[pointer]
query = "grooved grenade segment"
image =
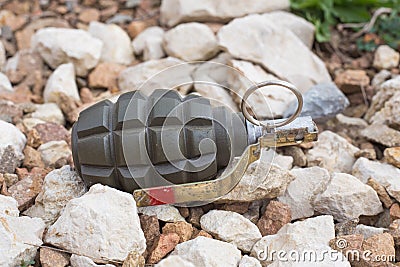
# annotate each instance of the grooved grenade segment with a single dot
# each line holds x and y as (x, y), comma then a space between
(144, 142)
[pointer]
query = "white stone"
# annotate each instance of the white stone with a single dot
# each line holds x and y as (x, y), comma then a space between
(62, 80)
(176, 11)
(52, 151)
(8, 206)
(15, 235)
(303, 29)
(385, 92)
(59, 187)
(59, 45)
(5, 84)
(11, 136)
(284, 162)
(385, 174)
(165, 213)
(208, 252)
(210, 81)
(49, 112)
(311, 234)
(247, 261)
(231, 227)
(102, 223)
(149, 43)
(302, 191)
(174, 261)
(386, 57)
(388, 114)
(332, 152)
(368, 231)
(347, 198)
(190, 42)
(262, 180)
(116, 42)
(82, 261)
(277, 49)
(166, 73)
(270, 102)
(3, 58)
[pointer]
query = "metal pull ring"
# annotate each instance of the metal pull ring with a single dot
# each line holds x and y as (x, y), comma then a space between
(252, 89)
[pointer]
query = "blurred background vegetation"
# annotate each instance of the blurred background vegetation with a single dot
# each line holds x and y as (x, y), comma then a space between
(374, 22)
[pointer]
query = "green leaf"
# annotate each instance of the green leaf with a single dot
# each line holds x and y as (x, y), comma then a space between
(351, 14)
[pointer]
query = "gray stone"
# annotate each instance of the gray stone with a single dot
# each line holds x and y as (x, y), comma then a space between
(368, 231)
(116, 42)
(176, 11)
(382, 134)
(231, 227)
(102, 223)
(385, 174)
(322, 101)
(277, 49)
(208, 252)
(347, 198)
(190, 42)
(302, 191)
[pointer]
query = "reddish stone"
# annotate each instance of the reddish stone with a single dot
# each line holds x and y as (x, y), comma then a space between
(105, 75)
(53, 258)
(276, 215)
(88, 15)
(183, 229)
(46, 132)
(197, 232)
(32, 158)
(395, 212)
(163, 245)
(150, 227)
(351, 81)
(86, 95)
(26, 190)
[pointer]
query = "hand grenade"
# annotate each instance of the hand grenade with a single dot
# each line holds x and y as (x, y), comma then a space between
(169, 149)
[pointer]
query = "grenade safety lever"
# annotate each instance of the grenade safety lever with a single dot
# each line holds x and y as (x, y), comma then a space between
(156, 146)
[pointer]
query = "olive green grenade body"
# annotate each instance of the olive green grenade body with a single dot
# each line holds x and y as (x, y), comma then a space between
(148, 141)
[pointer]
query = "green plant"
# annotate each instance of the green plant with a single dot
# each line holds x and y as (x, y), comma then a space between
(27, 263)
(326, 13)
